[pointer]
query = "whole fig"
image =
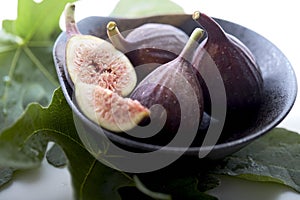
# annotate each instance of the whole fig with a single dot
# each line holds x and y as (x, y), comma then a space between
(239, 72)
(174, 86)
(93, 60)
(149, 45)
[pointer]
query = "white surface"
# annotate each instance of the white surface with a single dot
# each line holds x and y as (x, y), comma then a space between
(275, 20)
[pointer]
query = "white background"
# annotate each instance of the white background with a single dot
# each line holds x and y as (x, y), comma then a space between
(278, 21)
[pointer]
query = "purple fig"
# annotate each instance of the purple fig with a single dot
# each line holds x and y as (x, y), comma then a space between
(240, 73)
(174, 86)
(148, 45)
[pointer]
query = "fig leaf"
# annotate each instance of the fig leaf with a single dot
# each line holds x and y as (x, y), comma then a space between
(6, 175)
(36, 21)
(132, 8)
(56, 156)
(27, 71)
(185, 186)
(91, 179)
(39, 125)
(272, 158)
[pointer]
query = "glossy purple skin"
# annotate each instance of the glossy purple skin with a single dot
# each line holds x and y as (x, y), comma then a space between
(151, 45)
(241, 75)
(165, 89)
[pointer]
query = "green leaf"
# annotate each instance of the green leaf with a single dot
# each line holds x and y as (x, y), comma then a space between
(273, 158)
(190, 188)
(23, 146)
(6, 175)
(133, 8)
(145, 190)
(27, 71)
(36, 21)
(207, 181)
(91, 179)
(56, 156)
(185, 187)
(187, 184)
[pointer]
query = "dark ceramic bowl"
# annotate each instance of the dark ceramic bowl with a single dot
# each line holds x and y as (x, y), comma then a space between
(280, 85)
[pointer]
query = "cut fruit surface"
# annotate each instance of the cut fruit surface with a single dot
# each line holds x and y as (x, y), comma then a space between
(108, 109)
(95, 61)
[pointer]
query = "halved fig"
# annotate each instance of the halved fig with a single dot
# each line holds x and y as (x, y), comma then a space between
(108, 109)
(93, 60)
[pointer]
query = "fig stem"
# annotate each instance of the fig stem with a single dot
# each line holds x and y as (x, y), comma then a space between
(116, 37)
(196, 15)
(209, 24)
(191, 45)
(71, 26)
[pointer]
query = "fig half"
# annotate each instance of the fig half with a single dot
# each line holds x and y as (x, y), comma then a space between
(108, 109)
(93, 60)
(102, 76)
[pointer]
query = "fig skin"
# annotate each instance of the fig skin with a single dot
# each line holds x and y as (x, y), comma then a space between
(93, 60)
(241, 75)
(148, 45)
(174, 86)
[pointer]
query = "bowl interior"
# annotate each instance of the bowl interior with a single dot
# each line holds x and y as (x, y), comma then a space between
(280, 85)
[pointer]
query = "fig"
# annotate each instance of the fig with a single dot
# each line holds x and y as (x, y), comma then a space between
(93, 60)
(238, 69)
(150, 44)
(102, 77)
(108, 109)
(174, 86)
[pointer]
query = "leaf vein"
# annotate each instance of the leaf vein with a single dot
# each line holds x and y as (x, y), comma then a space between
(40, 66)
(86, 177)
